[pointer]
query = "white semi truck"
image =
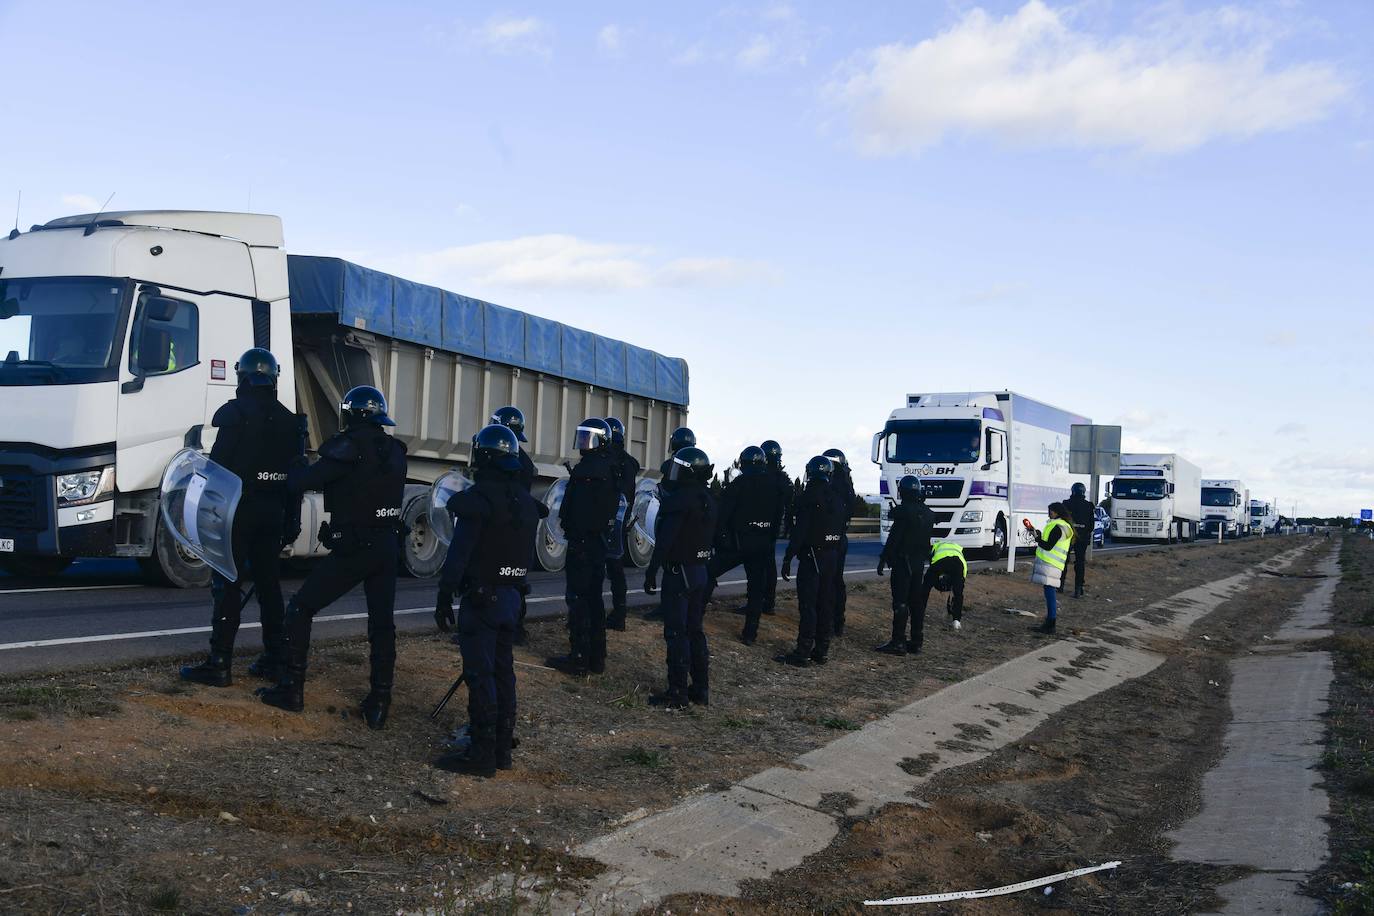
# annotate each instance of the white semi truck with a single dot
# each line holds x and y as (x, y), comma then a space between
(987, 459)
(1225, 505)
(1156, 497)
(118, 338)
(1264, 517)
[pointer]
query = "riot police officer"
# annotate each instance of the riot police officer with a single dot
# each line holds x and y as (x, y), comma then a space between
(815, 541)
(258, 440)
(843, 485)
(1083, 517)
(772, 452)
(588, 510)
(513, 418)
(681, 438)
(624, 472)
(682, 549)
(906, 552)
(493, 541)
(362, 471)
(746, 531)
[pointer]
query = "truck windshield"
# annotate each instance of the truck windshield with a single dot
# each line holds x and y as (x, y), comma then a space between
(1258, 511)
(933, 441)
(1219, 496)
(1139, 489)
(61, 330)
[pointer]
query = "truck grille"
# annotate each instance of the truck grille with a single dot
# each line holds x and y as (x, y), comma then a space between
(942, 489)
(20, 501)
(1129, 528)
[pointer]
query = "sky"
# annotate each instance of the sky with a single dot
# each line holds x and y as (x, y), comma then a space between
(1159, 215)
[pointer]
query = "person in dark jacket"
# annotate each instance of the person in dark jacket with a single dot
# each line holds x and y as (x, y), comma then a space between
(362, 471)
(258, 440)
(588, 509)
(772, 453)
(682, 549)
(488, 559)
(905, 553)
(681, 438)
(746, 532)
(843, 484)
(815, 542)
(513, 418)
(625, 473)
(1083, 517)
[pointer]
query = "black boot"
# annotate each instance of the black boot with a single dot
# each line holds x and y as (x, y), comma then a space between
(522, 636)
(575, 665)
(897, 644)
(819, 657)
(796, 658)
(669, 699)
(289, 694)
(617, 620)
(1078, 592)
(700, 696)
(269, 666)
(1046, 627)
(478, 760)
(375, 707)
(505, 741)
(213, 672)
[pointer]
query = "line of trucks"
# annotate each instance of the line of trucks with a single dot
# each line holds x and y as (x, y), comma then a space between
(988, 459)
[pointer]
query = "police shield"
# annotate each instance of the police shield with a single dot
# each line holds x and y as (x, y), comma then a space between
(615, 533)
(445, 488)
(553, 498)
(644, 516)
(199, 499)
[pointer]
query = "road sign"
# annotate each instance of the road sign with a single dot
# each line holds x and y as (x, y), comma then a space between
(1366, 515)
(1094, 450)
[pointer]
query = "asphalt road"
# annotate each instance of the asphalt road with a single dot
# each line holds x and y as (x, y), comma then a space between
(102, 612)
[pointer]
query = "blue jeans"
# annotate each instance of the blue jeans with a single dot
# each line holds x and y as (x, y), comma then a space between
(1051, 602)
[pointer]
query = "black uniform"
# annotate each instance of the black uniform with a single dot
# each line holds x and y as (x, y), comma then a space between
(786, 497)
(1083, 517)
(816, 536)
(488, 559)
(682, 549)
(258, 440)
(362, 472)
(906, 552)
(843, 485)
(625, 472)
(525, 477)
(746, 532)
(589, 506)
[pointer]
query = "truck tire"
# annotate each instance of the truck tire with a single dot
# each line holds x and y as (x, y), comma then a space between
(422, 553)
(998, 550)
(35, 567)
(172, 565)
(550, 554)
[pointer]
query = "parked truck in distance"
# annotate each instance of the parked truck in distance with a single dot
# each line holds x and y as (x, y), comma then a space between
(118, 338)
(1225, 506)
(1156, 497)
(1264, 517)
(986, 460)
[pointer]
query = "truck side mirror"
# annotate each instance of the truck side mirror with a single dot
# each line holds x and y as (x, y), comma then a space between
(159, 308)
(154, 351)
(1171, 489)
(877, 444)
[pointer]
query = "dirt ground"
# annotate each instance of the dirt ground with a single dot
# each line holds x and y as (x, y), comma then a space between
(126, 791)
(1346, 884)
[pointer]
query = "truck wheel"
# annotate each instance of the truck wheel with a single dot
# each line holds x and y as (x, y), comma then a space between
(172, 565)
(998, 550)
(422, 554)
(550, 554)
(35, 567)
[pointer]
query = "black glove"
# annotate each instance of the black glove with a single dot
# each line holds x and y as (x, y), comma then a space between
(651, 580)
(881, 566)
(443, 610)
(787, 569)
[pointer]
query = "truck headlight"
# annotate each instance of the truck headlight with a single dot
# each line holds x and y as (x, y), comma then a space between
(85, 486)
(972, 515)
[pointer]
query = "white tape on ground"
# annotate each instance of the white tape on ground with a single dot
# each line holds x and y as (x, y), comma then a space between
(991, 891)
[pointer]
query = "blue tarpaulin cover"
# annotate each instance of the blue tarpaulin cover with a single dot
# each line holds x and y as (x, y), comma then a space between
(374, 301)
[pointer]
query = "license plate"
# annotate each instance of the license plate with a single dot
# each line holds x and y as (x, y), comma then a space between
(6, 545)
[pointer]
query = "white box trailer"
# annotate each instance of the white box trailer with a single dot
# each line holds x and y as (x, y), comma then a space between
(1225, 506)
(986, 459)
(1264, 517)
(88, 431)
(1156, 497)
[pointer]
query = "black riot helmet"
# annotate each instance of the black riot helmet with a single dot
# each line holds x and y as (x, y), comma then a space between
(681, 438)
(496, 446)
(909, 487)
(512, 418)
(617, 431)
(363, 406)
(752, 460)
(836, 458)
(1079, 490)
(592, 435)
(819, 468)
(258, 368)
(773, 452)
(690, 463)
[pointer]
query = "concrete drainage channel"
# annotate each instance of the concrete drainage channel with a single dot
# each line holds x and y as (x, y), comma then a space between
(711, 844)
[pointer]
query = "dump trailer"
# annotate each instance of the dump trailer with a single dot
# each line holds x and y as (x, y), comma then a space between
(1156, 497)
(119, 333)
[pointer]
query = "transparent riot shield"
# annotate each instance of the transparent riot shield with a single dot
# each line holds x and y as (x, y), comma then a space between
(445, 488)
(553, 527)
(644, 517)
(199, 498)
(615, 534)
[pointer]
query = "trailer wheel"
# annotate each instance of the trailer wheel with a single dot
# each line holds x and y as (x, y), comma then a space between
(171, 564)
(550, 554)
(422, 554)
(35, 567)
(998, 551)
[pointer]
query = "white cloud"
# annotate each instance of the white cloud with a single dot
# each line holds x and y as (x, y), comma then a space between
(80, 203)
(1031, 78)
(611, 39)
(556, 261)
(507, 34)
(692, 54)
(757, 53)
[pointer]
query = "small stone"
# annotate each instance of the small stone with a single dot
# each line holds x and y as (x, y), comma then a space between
(228, 818)
(297, 897)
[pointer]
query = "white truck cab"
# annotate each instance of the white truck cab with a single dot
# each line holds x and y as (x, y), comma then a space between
(1225, 506)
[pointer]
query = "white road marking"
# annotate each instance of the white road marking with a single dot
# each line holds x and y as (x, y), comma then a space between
(64, 588)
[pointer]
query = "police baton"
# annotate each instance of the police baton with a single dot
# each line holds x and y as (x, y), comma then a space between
(448, 696)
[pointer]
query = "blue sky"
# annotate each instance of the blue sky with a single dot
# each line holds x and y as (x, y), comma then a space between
(1159, 215)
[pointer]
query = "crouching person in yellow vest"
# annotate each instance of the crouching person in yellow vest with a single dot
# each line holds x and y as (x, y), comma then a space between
(1051, 556)
(946, 573)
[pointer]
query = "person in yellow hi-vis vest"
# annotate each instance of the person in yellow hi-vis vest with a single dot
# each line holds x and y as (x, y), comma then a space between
(1051, 556)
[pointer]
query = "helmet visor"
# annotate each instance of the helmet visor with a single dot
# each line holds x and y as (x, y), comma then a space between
(589, 438)
(679, 469)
